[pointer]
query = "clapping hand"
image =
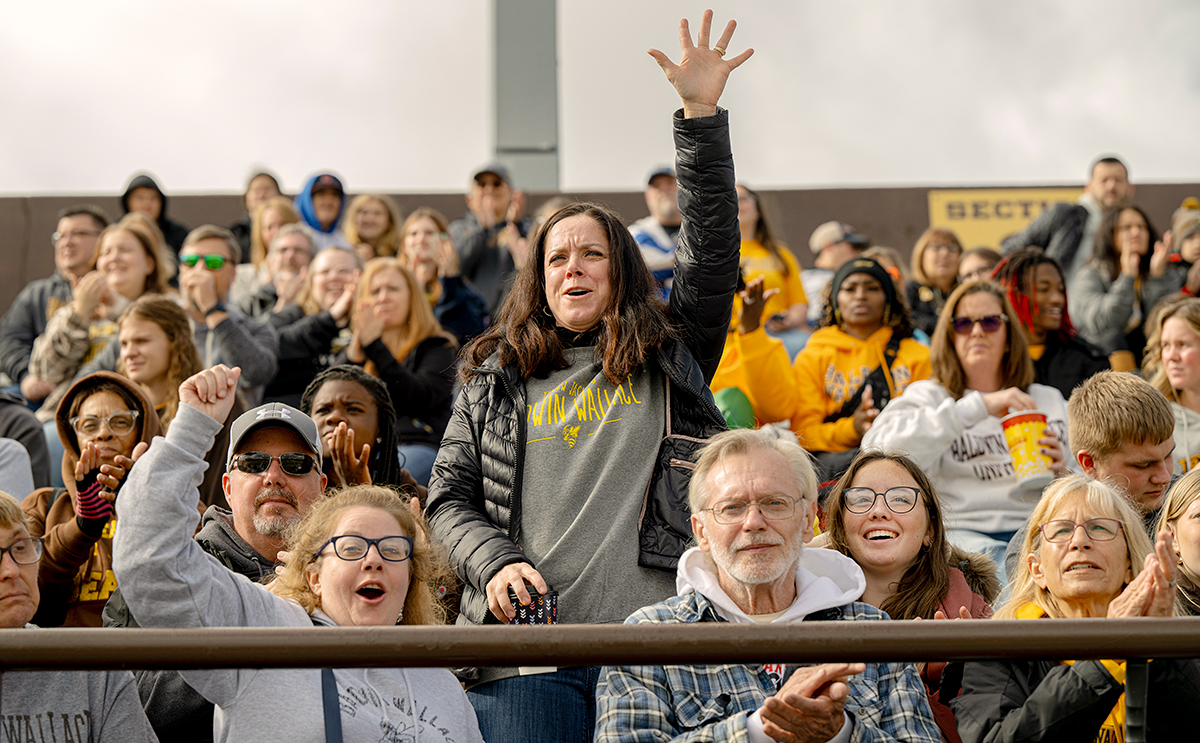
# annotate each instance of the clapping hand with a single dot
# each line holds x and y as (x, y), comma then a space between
(348, 468)
(1152, 592)
(700, 76)
(811, 704)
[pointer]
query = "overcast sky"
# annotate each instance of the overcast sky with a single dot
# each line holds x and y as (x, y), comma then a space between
(396, 94)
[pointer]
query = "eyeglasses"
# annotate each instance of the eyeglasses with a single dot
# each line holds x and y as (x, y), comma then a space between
(774, 508)
(944, 248)
(989, 323)
(351, 547)
(257, 462)
(1098, 530)
(25, 551)
(900, 499)
(211, 262)
(58, 237)
(976, 275)
(120, 423)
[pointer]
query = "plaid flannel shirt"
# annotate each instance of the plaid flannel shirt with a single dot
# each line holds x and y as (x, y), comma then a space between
(887, 702)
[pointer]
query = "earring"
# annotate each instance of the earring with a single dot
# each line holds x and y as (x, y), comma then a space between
(400, 618)
(887, 318)
(837, 317)
(546, 311)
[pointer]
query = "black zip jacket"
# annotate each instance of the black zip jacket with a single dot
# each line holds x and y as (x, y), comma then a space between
(474, 494)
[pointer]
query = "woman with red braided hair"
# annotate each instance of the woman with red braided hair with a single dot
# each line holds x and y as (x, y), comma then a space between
(1035, 286)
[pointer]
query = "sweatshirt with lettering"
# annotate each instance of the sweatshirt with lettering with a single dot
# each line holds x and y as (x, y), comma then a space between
(962, 448)
(83, 706)
(168, 580)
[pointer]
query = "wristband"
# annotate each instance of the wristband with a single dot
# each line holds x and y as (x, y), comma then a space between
(88, 503)
(218, 307)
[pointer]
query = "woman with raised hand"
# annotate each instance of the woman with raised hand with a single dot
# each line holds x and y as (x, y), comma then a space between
(1114, 291)
(548, 476)
(885, 515)
(429, 254)
(357, 559)
(101, 419)
(1037, 290)
(397, 339)
(950, 423)
(1085, 555)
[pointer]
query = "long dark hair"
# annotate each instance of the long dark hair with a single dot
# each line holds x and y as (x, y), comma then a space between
(927, 580)
(765, 235)
(385, 462)
(1016, 274)
(524, 333)
(1106, 254)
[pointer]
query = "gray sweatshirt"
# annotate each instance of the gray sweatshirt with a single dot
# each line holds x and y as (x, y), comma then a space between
(99, 706)
(169, 581)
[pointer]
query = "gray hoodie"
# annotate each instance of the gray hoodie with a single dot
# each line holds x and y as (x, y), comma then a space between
(169, 581)
(1187, 438)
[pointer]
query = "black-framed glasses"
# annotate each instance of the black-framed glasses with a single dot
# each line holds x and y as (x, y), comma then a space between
(24, 551)
(1098, 530)
(352, 547)
(211, 262)
(989, 323)
(120, 423)
(772, 508)
(257, 462)
(900, 499)
(58, 237)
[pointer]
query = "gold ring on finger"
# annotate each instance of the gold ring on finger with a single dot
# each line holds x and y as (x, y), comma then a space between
(719, 50)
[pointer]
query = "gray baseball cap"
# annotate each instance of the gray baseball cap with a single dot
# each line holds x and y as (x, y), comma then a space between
(274, 415)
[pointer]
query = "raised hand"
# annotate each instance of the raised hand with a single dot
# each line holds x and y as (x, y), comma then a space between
(367, 326)
(212, 391)
(90, 292)
(754, 299)
(447, 256)
(865, 414)
(1161, 255)
(340, 310)
(348, 468)
(700, 76)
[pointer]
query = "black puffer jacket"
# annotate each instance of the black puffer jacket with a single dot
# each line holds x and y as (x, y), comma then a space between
(1066, 364)
(1058, 231)
(474, 494)
(1045, 700)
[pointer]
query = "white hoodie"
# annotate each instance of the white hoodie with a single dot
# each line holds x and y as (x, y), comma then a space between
(824, 579)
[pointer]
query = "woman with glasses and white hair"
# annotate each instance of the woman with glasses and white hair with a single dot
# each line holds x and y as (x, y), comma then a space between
(1085, 555)
(950, 424)
(359, 558)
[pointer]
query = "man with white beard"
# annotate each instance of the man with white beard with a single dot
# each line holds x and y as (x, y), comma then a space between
(753, 499)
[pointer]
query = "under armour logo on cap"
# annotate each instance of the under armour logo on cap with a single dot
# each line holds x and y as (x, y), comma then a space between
(268, 412)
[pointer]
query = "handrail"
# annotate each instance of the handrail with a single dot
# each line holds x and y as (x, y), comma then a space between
(567, 645)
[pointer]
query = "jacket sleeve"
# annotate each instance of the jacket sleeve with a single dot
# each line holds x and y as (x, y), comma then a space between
(1098, 308)
(457, 511)
(924, 421)
(1038, 233)
(58, 352)
(305, 336)
(424, 388)
(808, 417)
(998, 705)
(1156, 289)
(120, 719)
(250, 344)
(18, 331)
(706, 260)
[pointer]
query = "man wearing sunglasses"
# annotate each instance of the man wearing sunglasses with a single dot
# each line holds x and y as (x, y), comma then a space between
(273, 477)
(753, 499)
(223, 334)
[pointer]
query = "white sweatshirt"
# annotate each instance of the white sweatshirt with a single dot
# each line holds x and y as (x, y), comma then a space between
(169, 581)
(962, 449)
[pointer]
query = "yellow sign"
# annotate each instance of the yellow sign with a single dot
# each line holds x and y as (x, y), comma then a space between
(985, 216)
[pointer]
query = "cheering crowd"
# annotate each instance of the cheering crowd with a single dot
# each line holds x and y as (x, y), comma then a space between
(330, 414)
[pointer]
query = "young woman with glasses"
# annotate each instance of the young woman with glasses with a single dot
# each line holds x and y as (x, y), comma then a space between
(101, 418)
(885, 515)
(950, 424)
(1085, 555)
(935, 274)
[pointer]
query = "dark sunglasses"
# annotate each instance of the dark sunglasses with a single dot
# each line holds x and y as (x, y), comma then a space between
(989, 323)
(211, 262)
(257, 462)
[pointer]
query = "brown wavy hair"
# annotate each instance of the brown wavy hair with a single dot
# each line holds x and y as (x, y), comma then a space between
(421, 323)
(1184, 308)
(925, 582)
(156, 280)
(184, 361)
(524, 335)
(426, 567)
(923, 242)
(1017, 368)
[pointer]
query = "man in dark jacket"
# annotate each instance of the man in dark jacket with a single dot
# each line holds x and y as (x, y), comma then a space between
(248, 545)
(481, 237)
(143, 195)
(74, 245)
(1067, 231)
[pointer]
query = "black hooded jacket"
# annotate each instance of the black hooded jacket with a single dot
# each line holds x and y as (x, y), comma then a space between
(475, 494)
(173, 232)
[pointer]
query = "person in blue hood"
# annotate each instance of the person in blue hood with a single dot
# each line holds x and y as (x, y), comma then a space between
(321, 204)
(143, 195)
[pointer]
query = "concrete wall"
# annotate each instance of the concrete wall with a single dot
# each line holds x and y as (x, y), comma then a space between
(889, 216)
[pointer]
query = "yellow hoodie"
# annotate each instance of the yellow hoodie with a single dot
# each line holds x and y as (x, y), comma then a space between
(831, 368)
(758, 365)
